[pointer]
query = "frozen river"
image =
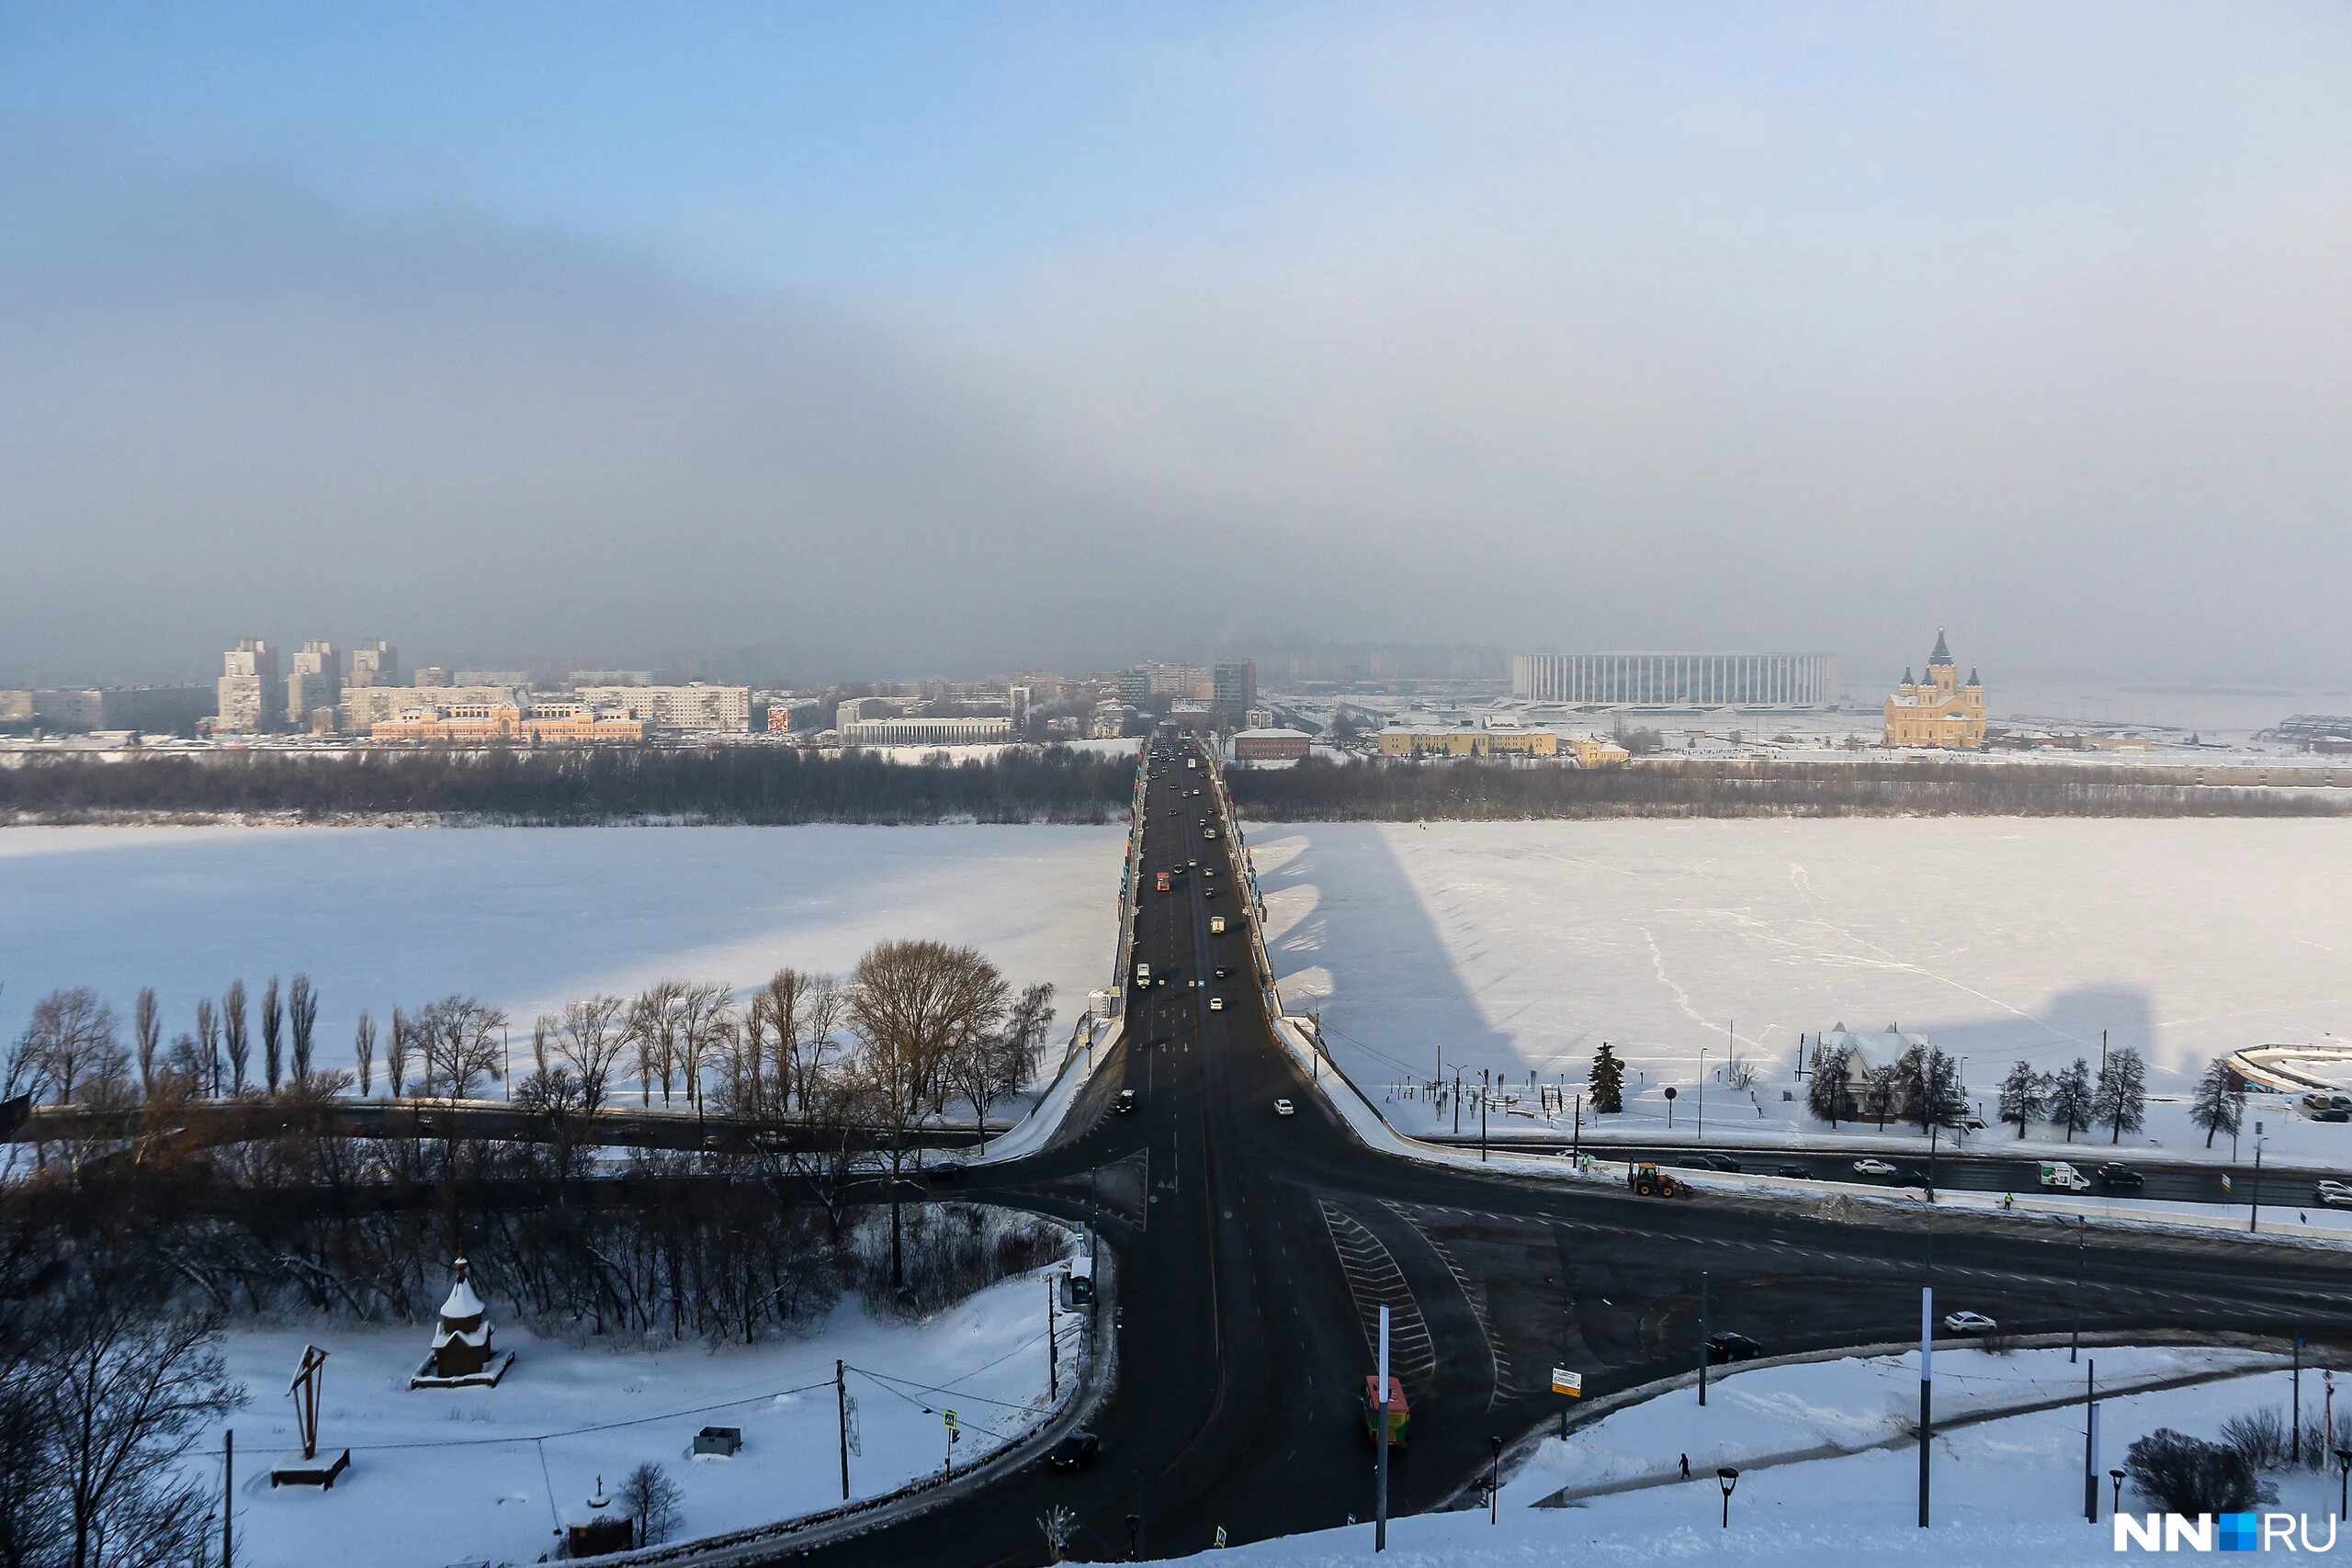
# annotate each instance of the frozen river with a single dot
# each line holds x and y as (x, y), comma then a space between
(527, 918)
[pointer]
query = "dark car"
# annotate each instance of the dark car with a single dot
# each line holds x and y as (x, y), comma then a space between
(947, 1170)
(2122, 1178)
(1912, 1177)
(1075, 1451)
(1732, 1347)
(1211, 891)
(1125, 1102)
(2333, 1113)
(1222, 971)
(1708, 1162)
(1795, 1172)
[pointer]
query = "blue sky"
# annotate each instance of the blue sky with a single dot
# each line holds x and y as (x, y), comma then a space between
(1572, 324)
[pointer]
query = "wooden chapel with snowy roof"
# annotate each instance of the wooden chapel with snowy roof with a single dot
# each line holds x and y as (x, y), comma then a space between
(462, 1353)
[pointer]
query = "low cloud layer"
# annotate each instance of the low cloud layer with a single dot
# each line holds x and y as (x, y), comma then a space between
(1559, 354)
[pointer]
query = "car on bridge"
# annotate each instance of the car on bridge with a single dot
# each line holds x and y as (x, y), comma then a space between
(1125, 1102)
(1163, 882)
(1284, 1108)
(1217, 1004)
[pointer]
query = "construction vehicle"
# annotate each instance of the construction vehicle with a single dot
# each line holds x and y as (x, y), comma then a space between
(1400, 1414)
(1648, 1181)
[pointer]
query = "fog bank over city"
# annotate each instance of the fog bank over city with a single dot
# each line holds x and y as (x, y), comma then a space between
(1585, 342)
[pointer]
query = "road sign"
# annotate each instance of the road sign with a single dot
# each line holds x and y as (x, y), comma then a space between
(1220, 1535)
(953, 1435)
(1567, 1382)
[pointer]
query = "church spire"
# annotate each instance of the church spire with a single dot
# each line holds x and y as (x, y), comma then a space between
(1942, 655)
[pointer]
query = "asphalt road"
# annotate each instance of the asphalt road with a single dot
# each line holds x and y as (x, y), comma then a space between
(2281, 1186)
(1252, 1248)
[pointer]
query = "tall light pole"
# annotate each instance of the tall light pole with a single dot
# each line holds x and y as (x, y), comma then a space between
(1703, 1094)
(1927, 1392)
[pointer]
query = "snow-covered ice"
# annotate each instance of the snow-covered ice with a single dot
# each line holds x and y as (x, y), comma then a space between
(451, 1475)
(1520, 946)
(527, 918)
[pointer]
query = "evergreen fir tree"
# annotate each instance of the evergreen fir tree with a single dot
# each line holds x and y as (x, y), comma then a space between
(1606, 1084)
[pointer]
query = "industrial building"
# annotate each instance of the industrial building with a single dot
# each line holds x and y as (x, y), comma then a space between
(1433, 740)
(1675, 680)
(926, 731)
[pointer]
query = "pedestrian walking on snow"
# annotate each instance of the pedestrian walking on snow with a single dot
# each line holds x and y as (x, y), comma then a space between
(1686, 1467)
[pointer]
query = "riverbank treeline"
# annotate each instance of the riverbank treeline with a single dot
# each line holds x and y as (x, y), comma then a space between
(745, 784)
(1320, 791)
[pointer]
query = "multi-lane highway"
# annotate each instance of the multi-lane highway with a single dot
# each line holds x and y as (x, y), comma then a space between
(1252, 1249)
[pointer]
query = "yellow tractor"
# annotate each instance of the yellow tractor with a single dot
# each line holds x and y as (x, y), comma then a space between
(1648, 1181)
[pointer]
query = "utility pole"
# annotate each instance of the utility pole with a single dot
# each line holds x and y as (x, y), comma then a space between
(228, 1495)
(1457, 1102)
(841, 1405)
(2075, 1345)
(2254, 1215)
(2295, 1416)
(1927, 1393)
(1702, 1336)
(1484, 1094)
(1576, 1144)
(2090, 1441)
(1380, 1444)
(1703, 1094)
(1053, 1347)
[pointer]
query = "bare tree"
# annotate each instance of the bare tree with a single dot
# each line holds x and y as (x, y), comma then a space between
(704, 1014)
(147, 1028)
(457, 1037)
(649, 1497)
(207, 1043)
(653, 1031)
(913, 1003)
(303, 1016)
(69, 1045)
(130, 1385)
(396, 1051)
(806, 1014)
(590, 1038)
(273, 1033)
(235, 1036)
(363, 1053)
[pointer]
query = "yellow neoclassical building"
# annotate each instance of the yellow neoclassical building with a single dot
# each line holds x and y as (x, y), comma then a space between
(1940, 711)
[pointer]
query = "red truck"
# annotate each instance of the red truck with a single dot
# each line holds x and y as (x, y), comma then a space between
(1163, 882)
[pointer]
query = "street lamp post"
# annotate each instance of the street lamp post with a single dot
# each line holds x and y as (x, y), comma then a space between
(1726, 1477)
(2254, 1213)
(2115, 1502)
(1703, 1094)
(2343, 1483)
(1495, 1483)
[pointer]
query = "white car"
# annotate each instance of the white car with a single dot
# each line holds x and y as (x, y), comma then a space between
(2341, 1198)
(1969, 1323)
(2326, 1187)
(1283, 1108)
(1217, 1004)
(1872, 1168)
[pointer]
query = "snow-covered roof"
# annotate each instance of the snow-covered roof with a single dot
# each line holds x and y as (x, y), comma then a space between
(462, 1302)
(1882, 1049)
(477, 1337)
(1276, 733)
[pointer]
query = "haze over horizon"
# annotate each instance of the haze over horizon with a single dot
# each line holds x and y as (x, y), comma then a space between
(989, 338)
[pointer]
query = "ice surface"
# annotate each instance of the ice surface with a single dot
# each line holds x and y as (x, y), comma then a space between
(527, 918)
